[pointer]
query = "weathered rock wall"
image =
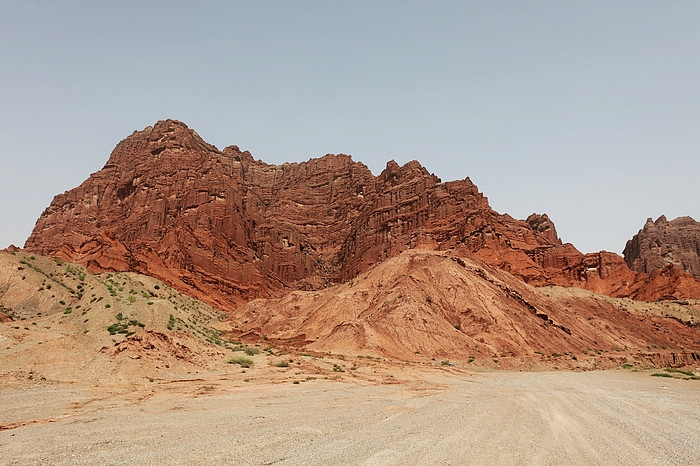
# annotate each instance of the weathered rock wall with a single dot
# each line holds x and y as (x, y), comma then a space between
(661, 243)
(227, 229)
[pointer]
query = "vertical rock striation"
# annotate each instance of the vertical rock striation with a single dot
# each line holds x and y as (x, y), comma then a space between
(226, 228)
(660, 243)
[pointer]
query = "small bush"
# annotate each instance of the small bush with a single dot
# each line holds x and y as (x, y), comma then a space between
(661, 374)
(337, 368)
(240, 360)
(68, 310)
(252, 351)
(281, 364)
(679, 371)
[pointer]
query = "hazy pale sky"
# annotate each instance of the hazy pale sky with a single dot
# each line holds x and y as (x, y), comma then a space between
(586, 110)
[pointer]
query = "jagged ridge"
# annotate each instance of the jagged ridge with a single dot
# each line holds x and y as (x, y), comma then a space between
(226, 228)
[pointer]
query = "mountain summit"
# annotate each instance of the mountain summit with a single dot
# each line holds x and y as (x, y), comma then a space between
(226, 228)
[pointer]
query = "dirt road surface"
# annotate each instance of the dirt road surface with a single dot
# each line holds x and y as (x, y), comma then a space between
(604, 417)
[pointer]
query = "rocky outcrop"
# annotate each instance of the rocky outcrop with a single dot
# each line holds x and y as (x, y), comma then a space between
(661, 243)
(226, 228)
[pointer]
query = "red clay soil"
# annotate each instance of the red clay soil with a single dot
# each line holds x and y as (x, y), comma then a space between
(426, 304)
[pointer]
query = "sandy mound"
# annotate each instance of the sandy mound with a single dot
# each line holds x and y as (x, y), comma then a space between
(426, 304)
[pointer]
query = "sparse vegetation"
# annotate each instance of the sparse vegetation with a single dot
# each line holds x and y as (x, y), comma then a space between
(122, 326)
(240, 360)
(337, 368)
(679, 371)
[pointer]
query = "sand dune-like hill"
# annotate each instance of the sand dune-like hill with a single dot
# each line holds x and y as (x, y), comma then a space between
(63, 323)
(422, 307)
(427, 304)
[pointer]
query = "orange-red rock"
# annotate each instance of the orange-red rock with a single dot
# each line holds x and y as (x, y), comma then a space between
(225, 228)
(662, 242)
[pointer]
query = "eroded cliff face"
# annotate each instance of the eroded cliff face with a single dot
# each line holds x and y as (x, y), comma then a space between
(227, 229)
(661, 243)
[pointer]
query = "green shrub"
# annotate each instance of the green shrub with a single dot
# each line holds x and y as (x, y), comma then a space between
(679, 371)
(240, 360)
(337, 368)
(252, 351)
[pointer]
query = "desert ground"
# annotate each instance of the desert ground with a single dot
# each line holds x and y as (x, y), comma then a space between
(119, 368)
(407, 415)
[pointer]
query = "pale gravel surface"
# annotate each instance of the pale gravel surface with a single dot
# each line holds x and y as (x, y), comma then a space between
(611, 417)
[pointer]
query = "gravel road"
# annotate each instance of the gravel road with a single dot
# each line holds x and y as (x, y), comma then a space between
(605, 417)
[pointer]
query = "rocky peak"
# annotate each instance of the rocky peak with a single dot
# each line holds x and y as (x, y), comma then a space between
(236, 154)
(662, 242)
(171, 136)
(543, 225)
(225, 228)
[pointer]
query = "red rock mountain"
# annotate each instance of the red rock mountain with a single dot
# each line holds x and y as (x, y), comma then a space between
(661, 243)
(225, 228)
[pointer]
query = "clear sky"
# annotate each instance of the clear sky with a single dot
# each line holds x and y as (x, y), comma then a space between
(586, 110)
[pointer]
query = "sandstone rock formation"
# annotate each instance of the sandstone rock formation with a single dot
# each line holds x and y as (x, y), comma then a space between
(661, 243)
(225, 228)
